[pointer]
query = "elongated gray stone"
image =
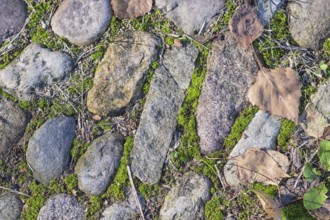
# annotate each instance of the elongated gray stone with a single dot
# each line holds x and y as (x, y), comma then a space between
(35, 69)
(261, 133)
(99, 164)
(159, 117)
(13, 122)
(231, 69)
(120, 76)
(267, 8)
(190, 15)
(48, 150)
(187, 199)
(321, 100)
(82, 22)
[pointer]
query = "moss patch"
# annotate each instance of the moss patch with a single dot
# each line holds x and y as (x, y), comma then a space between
(287, 129)
(239, 126)
(213, 209)
(295, 211)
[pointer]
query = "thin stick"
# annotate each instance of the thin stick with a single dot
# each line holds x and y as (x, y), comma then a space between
(134, 192)
(219, 176)
(14, 191)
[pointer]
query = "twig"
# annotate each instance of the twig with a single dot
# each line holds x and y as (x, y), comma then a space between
(14, 191)
(134, 192)
(219, 176)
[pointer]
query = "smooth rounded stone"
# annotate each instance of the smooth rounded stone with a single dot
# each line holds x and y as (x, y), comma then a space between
(321, 100)
(131, 8)
(48, 150)
(99, 164)
(231, 70)
(126, 210)
(13, 14)
(187, 199)
(309, 22)
(266, 9)
(82, 22)
(34, 70)
(10, 206)
(160, 114)
(181, 11)
(120, 76)
(261, 133)
(61, 207)
(13, 122)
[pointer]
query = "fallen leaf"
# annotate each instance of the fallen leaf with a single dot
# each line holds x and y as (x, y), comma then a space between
(131, 8)
(315, 122)
(311, 173)
(277, 91)
(265, 166)
(270, 205)
(245, 26)
(322, 213)
(315, 197)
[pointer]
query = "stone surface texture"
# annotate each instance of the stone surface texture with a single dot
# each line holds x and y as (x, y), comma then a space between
(120, 76)
(309, 22)
(13, 122)
(13, 14)
(267, 8)
(61, 207)
(190, 15)
(230, 72)
(131, 8)
(34, 70)
(98, 165)
(159, 117)
(321, 100)
(187, 199)
(261, 133)
(48, 150)
(82, 22)
(10, 206)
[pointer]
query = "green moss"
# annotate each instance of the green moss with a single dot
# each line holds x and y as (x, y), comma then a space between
(78, 149)
(121, 180)
(269, 189)
(230, 7)
(101, 127)
(99, 52)
(148, 191)
(94, 208)
(213, 209)
(267, 45)
(151, 72)
(287, 128)
(326, 47)
(79, 85)
(239, 126)
(71, 182)
(169, 40)
(295, 211)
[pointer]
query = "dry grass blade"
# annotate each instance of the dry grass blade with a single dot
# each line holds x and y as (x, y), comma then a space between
(267, 167)
(278, 92)
(245, 26)
(270, 205)
(131, 8)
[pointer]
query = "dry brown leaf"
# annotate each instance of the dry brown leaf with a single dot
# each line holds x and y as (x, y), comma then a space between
(316, 122)
(326, 133)
(270, 205)
(265, 166)
(131, 8)
(245, 26)
(97, 117)
(177, 43)
(277, 91)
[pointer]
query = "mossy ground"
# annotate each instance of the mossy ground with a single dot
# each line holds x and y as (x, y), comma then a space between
(70, 99)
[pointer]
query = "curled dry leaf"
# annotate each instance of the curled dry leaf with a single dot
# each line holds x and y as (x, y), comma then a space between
(277, 91)
(265, 166)
(270, 205)
(131, 8)
(315, 122)
(245, 26)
